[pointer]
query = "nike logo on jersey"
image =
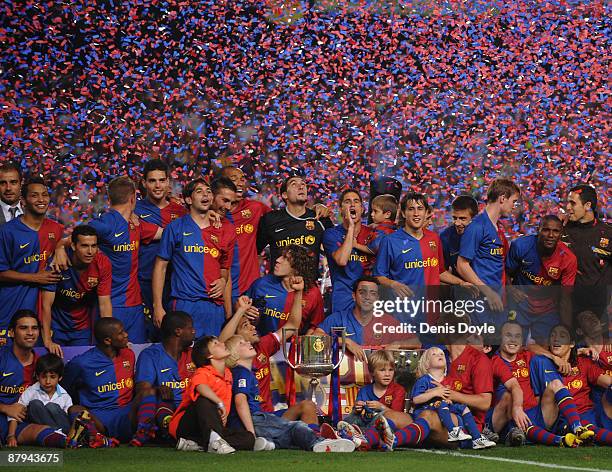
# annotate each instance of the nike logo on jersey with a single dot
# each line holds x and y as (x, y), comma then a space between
(6, 374)
(454, 253)
(405, 251)
(98, 374)
(278, 230)
(187, 234)
(21, 246)
(549, 371)
(270, 296)
(523, 261)
(145, 216)
(165, 370)
(119, 234)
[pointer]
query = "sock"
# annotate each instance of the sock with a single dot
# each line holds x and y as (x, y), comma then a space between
(372, 437)
(314, 427)
(539, 435)
(602, 436)
(164, 412)
(145, 415)
(213, 437)
(567, 408)
(445, 417)
(470, 425)
(391, 424)
(49, 437)
(412, 435)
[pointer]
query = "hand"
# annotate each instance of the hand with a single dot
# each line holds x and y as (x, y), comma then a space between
(61, 261)
(321, 211)
(296, 283)
(134, 219)
(564, 367)
(357, 351)
(517, 294)
(359, 406)
(158, 316)
(54, 348)
(166, 393)
(494, 300)
(17, 411)
(470, 287)
(590, 352)
(402, 290)
(223, 413)
(520, 418)
(215, 218)
(216, 288)
(442, 391)
(45, 277)
(11, 442)
(376, 405)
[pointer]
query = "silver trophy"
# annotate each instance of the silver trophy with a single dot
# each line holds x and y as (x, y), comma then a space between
(313, 356)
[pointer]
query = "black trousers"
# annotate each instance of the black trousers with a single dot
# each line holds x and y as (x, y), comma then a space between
(202, 417)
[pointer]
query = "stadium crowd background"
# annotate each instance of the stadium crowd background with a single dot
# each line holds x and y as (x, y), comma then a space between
(442, 95)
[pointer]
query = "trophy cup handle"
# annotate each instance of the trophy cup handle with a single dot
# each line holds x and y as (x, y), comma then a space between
(284, 344)
(342, 332)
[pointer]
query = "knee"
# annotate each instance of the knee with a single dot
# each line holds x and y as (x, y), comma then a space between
(555, 385)
(36, 405)
(308, 406)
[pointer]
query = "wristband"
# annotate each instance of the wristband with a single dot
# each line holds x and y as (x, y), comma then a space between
(221, 405)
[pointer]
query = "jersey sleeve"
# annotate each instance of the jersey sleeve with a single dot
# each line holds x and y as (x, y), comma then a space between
(5, 250)
(227, 255)
(330, 243)
(470, 241)
(317, 312)
(241, 382)
(168, 243)
(262, 232)
(147, 231)
(146, 370)
(513, 260)
(106, 277)
(568, 277)
(593, 372)
(382, 267)
(200, 377)
(501, 372)
(420, 386)
(102, 228)
(269, 344)
(328, 323)
(362, 394)
(73, 374)
(441, 264)
(481, 375)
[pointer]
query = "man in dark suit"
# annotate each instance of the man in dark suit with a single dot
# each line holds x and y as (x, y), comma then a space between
(10, 192)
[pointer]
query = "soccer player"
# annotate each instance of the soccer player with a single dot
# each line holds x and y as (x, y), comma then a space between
(463, 209)
(102, 378)
(167, 367)
(346, 248)
(363, 327)
(120, 234)
(26, 245)
(273, 296)
(17, 362)
(10, 192)
(541, 261)
(295, 224)
(159, 209)
(201, 256)
(245, 214)
(484, 246)
(590, 239)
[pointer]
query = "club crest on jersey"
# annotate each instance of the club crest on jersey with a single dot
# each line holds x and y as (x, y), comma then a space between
(92, 281)
(388, 399)
(433, 246)
(127, 364)
(51, 236)
(575, 384)
(173, 216)
(191, 367)
(262, 358)
(457, 386)
(553, 271)
(521, 363)
(461, 368)
(609, 357)
(214, 239)
(246, 213)
(603, 242)
(310, 225)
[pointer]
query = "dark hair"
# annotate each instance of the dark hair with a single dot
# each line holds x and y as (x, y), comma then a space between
(387, 202)
(200, 352)
(191, 186)
(10, 167)
(32, 181)
(104, 327)
(554, 218)
(417, 197)
(499, 187)
(224, 170)
(49, 363)
(465, 202)
(172, 321)
(120, 189)
(510, 323)
(302, 262)
(285, 184)
(82, 230)
(586, 193)
(573, 359)
(23, 313)
(350, 190)
(155, 164)
(365, 278)
(220, 183)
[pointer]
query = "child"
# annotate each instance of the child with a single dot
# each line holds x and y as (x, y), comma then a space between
(246, 411)
(47, 402)
(382, 397)
(429, 393)
(384, 214)
(201, 418)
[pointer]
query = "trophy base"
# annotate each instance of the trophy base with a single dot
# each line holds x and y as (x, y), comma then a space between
(314, 370)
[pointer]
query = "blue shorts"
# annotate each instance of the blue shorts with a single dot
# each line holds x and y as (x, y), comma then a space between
(117, 422)
(208, 317)
(133, 320)
(542, 371)
(586, 417)
(602, 419)
(4, 427)
(539, 325)
(81, 337)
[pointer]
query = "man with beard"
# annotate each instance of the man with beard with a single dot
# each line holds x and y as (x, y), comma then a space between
(463, 209)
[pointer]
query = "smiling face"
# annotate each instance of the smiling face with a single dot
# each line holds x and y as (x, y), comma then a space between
(239, 180)
(247, 331)
(415, 214)
(223, 201)
(157, 185)
(461, 218)
(25, 334)
(512, 339)
(365, 296)
(10, 187)
(37, 200)
(119, 337)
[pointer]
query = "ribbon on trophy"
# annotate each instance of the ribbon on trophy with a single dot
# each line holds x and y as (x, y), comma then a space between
(335, 399)
(290, 374)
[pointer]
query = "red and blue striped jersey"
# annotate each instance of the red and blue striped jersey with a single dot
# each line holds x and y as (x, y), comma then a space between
(161, 217)
(410, 261)
(156, 367)
(359, 264)
(76, 295)
(24, 250)
(100, 382)
(197, 256)
(485, 247)
(278, 302)
(520, 369)
(245, 266)
(15, 377)
(120, 241)
(580, 380)
(527, 267)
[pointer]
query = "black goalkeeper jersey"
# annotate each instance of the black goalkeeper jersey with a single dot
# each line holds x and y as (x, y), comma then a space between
(279, 229)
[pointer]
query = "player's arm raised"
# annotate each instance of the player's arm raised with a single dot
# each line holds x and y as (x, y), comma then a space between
(295, 315)
(243, 305)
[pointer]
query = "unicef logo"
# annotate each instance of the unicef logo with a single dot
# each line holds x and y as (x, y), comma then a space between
(214, 252)
(310, 240)
(248, 229)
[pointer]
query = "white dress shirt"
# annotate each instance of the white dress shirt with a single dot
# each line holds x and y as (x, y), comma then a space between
(7, 213)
